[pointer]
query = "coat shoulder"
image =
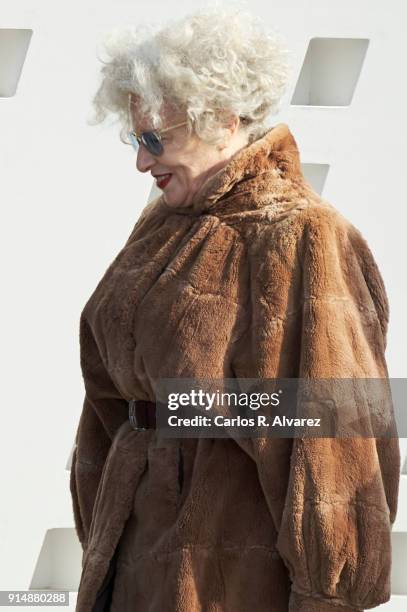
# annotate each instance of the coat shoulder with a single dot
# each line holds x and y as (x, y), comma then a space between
(327, 235)
(318, 239)
(321, 224)
(324, 219)
(315, 224)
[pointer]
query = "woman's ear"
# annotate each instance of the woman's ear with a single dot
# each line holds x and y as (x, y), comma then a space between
(232, 124)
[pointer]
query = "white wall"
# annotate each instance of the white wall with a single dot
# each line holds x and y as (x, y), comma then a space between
(70, 195)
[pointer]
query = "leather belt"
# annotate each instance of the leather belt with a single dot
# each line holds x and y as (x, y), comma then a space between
(142, 414)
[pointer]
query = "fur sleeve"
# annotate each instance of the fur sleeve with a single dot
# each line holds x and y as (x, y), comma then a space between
(341, 497)
(103, 411)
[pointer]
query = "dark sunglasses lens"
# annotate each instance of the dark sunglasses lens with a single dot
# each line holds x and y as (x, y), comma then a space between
(152, 143)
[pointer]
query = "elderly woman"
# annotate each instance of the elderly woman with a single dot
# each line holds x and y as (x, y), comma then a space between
(238, 269)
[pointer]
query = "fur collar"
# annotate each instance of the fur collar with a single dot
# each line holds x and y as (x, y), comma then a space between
(268, 168)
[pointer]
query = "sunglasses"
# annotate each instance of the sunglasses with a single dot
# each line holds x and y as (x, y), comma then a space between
(151, 140)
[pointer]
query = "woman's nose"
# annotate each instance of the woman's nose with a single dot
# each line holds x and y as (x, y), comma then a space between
(144, 159)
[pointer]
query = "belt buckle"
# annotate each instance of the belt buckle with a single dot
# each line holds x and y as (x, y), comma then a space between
(133, 416)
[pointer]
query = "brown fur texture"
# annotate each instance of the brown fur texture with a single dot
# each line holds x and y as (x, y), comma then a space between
(258, 278)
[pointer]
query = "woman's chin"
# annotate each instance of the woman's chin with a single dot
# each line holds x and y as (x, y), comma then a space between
(173, 200)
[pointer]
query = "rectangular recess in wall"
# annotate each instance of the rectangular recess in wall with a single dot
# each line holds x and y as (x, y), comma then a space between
(316, 175)
(59, 561)
(69, 462)
(330, 71)
(399, 562)
(14, 45)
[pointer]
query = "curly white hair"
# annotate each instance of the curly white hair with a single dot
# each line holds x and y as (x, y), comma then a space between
(216, 62)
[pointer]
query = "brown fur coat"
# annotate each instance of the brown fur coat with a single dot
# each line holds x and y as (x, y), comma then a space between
(258, 278)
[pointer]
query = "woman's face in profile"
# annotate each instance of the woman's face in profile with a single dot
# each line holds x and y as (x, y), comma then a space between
(188, 159)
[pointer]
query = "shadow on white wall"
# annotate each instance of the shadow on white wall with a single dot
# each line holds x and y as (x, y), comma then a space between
(14, 45)
(330, 71)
